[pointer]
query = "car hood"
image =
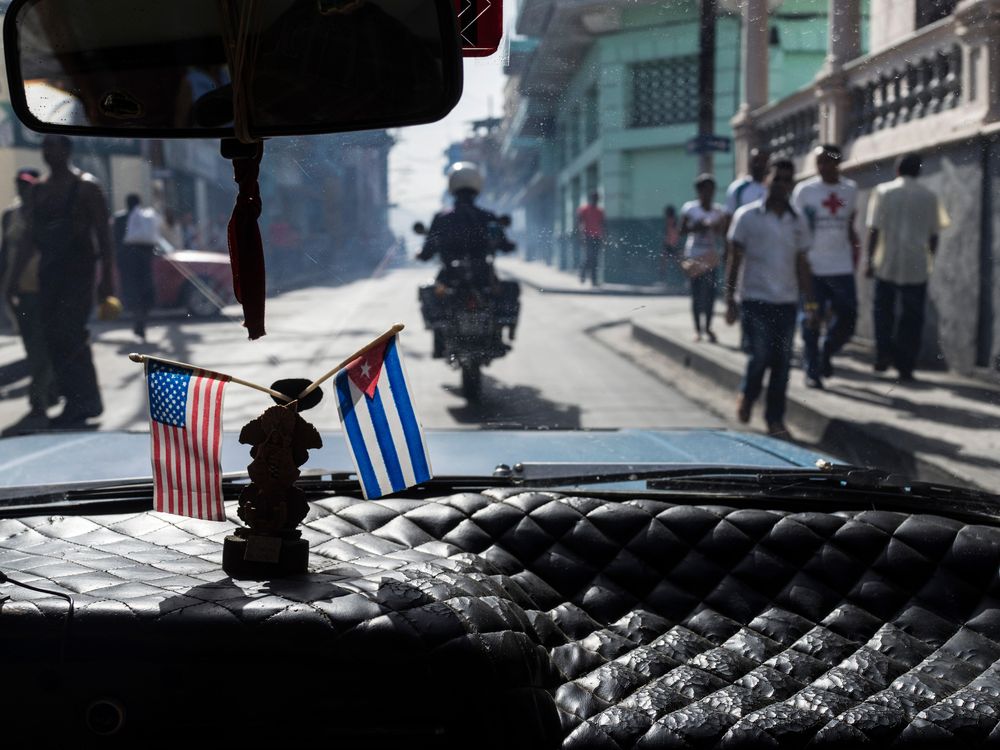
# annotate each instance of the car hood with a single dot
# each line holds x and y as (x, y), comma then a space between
(57, 458)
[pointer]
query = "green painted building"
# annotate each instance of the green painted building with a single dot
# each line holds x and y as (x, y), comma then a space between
(604, 96)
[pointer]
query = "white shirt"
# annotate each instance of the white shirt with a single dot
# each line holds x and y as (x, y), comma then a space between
(743, 191)
(828, 209)
(702, 243)
(906, 214)
(771, 246)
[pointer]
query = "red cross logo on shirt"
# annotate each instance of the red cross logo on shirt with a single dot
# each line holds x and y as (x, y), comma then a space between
(833, 203)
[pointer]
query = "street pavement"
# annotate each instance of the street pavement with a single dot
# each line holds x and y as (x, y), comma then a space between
(584, 358)
(566, 370)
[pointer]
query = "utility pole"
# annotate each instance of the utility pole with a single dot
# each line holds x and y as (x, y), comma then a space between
(706, 78)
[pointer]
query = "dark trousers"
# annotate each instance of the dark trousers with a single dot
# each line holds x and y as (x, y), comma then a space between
(703, 291)
(836, 295)
(768, 331)
(42, 391)
(135, 264)
(66, 304)
(591, 257)
(898, 343)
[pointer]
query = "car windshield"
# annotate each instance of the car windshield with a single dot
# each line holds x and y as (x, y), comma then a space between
(767, 221)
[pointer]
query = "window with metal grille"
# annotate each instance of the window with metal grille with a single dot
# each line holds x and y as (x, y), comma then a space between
(664, 92)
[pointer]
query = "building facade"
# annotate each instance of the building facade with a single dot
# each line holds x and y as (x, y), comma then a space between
(931, 83)
(603, 96)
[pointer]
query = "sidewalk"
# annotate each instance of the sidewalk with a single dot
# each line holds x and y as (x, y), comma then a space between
(941, 428)
(551, 280)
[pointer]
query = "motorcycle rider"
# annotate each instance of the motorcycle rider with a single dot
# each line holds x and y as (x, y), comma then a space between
(465, 232)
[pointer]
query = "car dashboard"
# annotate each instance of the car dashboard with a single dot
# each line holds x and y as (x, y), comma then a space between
(509, 618)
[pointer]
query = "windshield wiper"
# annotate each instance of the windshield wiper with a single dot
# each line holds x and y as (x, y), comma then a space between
(827, 478)
(828, 483)
(119, 495)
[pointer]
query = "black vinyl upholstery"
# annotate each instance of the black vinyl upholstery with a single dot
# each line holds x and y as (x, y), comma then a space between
(525, 619)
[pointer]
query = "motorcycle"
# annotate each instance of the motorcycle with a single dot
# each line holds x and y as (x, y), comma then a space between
(469, 309)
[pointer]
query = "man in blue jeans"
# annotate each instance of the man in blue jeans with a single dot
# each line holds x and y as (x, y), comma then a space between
(768, 274)
(827, 201)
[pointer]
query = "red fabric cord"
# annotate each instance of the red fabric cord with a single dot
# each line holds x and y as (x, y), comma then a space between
(246, 252)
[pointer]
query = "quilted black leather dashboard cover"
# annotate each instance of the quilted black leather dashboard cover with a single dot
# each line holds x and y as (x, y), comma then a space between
(513, 619)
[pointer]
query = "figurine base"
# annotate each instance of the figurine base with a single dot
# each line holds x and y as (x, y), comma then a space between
(254, 556)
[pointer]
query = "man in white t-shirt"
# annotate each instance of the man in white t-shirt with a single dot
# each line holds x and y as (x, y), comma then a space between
(768, 274)
(704, 225)
(828, 202)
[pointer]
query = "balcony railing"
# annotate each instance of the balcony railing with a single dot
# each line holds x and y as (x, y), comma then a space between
(789, 128)
(913, 80)
(914, 90)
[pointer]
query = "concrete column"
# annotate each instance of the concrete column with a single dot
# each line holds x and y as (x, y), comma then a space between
(755, 54)
(978, 29)
(845, 33)
(754, 64)
(844, 45)
(834, 109)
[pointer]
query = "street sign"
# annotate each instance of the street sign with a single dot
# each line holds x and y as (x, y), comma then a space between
(705, 142)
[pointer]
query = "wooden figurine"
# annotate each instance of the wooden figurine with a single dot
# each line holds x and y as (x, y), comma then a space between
(271, 506)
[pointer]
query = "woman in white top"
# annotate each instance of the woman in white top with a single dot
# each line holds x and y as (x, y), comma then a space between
(704, 225)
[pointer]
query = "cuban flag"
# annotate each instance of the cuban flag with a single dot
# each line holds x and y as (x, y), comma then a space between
(380, 424)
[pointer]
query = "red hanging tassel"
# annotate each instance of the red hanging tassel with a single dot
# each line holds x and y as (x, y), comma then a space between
(246, 251)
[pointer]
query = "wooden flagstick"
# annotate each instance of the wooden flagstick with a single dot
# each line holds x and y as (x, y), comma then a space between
(270, 391)
(360, 352)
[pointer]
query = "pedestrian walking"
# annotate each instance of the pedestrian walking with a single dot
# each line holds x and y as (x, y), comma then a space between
(20, 290)
(136, 232)
(767, 274)
(171, 229)
(671, 240)
(750, 187)
(703, 223)
(189, 231)
(68, 222)
(828, 203)
(590, 230)
(904, 221)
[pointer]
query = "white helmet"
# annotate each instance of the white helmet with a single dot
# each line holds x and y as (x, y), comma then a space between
(464, 175)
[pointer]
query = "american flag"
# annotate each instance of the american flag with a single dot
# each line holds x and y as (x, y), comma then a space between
(185, 421)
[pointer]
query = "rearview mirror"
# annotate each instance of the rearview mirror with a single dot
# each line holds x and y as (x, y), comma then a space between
(143, 68)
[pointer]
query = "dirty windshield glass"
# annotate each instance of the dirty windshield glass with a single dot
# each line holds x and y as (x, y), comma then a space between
(771, 218)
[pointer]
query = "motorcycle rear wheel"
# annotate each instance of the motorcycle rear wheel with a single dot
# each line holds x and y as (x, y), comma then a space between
(472, 382)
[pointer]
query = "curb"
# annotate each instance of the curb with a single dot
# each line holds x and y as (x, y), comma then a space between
(614, 290)
(859, 445)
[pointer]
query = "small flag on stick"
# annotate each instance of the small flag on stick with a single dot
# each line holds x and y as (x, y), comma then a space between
(185, 422)
(380, 424)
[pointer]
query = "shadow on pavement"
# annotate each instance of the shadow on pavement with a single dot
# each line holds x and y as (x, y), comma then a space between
(879, 445)
(14, 371)
(518, 407)
(938, 413)
(26, 425)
